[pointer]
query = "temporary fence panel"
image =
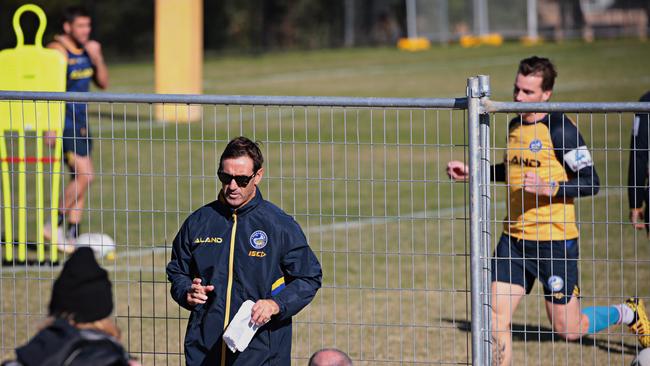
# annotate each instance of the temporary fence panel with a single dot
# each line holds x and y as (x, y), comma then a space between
(364, 177)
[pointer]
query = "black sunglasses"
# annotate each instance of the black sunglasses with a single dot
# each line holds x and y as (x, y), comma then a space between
(241, 180)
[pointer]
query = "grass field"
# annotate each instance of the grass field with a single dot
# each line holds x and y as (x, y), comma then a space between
(369, 189)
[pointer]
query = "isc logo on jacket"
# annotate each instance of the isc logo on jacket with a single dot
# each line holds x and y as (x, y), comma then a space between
(258, 240)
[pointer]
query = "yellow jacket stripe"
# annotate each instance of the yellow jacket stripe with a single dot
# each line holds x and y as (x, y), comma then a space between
(277, 283)
(231, 265)
(277, 286)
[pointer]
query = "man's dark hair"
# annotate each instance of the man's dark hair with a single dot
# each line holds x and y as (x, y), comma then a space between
(242, 146)
(344, 359)
(73, 12)
(539, 66)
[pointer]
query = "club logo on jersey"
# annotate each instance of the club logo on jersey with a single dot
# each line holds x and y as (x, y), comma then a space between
(535, 145)
(258, 239)
(555, 283)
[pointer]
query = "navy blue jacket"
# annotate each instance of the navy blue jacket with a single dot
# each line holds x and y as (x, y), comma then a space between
(254, 252)
(62, 344)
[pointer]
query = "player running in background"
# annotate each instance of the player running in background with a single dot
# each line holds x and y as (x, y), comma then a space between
(546, 165)
(85, 64)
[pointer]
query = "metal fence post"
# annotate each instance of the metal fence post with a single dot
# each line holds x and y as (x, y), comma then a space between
(484, 137)
(475, 229)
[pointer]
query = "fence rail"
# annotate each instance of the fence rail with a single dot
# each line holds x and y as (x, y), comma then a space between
(259, 100)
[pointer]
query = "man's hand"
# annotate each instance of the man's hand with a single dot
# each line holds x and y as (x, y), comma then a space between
(263, 310)
(50, 138)
(94, 50)
(535, 185)
(637, 218)
(457, 170)
(198, 294)
(100, 76)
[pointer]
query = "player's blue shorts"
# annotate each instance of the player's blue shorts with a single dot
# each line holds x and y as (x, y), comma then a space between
(77, 141)
(553, 263)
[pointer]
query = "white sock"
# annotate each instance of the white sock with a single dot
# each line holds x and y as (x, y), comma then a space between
(626, 314)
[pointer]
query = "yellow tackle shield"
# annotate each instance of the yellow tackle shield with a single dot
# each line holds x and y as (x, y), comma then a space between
(30, 68)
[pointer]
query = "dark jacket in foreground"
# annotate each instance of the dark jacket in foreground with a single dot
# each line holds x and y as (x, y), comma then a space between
(252, 253)
(62, 344)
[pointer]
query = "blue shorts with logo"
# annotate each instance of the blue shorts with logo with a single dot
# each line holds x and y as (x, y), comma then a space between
(553, 263)
(76, 140)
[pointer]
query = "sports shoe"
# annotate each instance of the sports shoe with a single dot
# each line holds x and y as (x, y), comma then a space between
(64, 243)
(641, 325)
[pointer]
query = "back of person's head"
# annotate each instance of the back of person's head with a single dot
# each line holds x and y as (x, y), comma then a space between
(82, 293)
(79, 329)
(539, 66)
(242, 146)
(330, 357)
(73, 12)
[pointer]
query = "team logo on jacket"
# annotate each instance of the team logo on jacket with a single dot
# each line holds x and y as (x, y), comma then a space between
(535, 145)
(555, 283)
(258, 239)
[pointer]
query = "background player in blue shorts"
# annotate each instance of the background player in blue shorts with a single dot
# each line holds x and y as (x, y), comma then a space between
(547, 165)
(85, 64)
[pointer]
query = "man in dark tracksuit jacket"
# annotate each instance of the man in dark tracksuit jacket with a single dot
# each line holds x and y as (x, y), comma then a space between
(637, 179)
(237, 248)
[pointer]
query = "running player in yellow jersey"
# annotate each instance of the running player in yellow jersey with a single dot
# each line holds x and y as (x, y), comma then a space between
(546, 165)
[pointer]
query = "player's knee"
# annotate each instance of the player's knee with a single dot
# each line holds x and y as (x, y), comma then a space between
(567, 329)
(85, 178)
(500, 322)
(570, 335)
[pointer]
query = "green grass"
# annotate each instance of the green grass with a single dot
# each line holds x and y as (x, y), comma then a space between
(369, 189)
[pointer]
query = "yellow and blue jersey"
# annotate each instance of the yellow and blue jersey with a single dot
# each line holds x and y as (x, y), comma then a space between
(79, 74)
(553, 149)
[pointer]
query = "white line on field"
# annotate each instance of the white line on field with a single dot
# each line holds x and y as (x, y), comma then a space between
(429, 214)
(142, 252)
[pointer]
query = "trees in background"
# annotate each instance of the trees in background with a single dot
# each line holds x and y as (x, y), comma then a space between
(125, 27)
